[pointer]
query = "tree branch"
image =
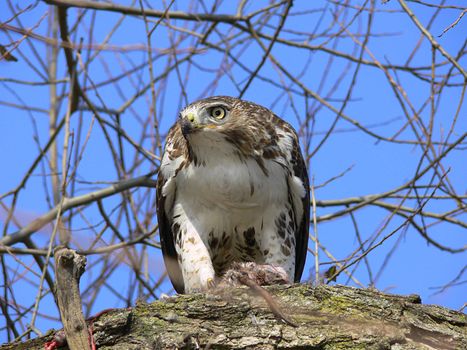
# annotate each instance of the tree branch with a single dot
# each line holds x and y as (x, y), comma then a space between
(127, 10)
(69, 203)
(327, 318)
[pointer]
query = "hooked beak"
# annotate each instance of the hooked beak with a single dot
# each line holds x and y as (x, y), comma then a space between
(188, 124)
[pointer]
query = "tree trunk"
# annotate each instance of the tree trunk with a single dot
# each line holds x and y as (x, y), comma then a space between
(328, 317)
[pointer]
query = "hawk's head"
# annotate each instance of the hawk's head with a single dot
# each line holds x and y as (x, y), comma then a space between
(214, 113)
(228, 125)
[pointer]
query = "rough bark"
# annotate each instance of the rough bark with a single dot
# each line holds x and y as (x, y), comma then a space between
(328, 317)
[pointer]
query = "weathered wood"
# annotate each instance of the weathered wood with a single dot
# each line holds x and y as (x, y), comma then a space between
(69, 267)
(328, 317)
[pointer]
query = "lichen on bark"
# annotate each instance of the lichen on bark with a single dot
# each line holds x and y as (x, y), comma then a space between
(328, 317)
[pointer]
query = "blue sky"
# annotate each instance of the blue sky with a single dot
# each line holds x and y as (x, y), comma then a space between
(414, 267)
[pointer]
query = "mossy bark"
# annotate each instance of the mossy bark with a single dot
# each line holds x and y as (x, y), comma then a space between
(328, 317)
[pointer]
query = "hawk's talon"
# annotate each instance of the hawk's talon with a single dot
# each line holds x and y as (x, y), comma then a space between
(210, 283)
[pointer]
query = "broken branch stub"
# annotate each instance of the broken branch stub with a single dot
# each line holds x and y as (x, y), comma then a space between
(69, 266)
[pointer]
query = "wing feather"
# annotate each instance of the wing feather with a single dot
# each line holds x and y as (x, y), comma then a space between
(166, 191)
(301, 235)
(284, 147)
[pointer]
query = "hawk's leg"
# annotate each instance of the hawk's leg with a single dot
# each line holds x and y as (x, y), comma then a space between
(277, 242)
(195, 261)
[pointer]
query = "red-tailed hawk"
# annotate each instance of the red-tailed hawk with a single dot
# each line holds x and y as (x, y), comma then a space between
(232, 187)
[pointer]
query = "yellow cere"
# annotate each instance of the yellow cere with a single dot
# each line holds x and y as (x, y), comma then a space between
(190, 117)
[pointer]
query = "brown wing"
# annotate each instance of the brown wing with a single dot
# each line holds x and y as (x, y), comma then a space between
(167, 239)
(301, 235)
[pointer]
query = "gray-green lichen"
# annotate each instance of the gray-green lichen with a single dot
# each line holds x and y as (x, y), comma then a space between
(328, 317)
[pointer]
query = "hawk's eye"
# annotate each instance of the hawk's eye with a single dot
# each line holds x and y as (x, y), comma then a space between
(218, 113)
